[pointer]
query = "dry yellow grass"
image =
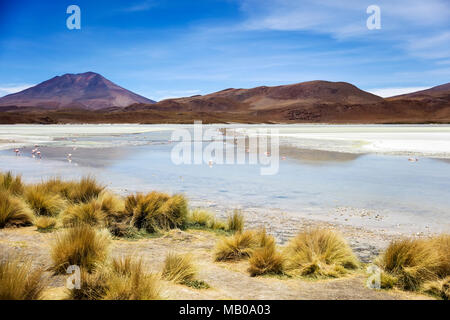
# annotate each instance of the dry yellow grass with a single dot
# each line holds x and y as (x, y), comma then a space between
(85, 190)
(237, 246)
(179, 268)
(123, 279)
(205, 219)
(113, 206)
(319, 253)
(438, 288)
(90, 213)
(80, 245)
(12, 184)
(13, 211)
(415, 261)
(45, 223)
(266, 259)
(42, 202)
(157, 211)
(19, 281)
(235, 221)
(57, 186)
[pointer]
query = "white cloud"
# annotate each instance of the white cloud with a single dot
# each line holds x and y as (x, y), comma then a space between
(172, 94)
(337, 17)
(8, 89)
(390, 92)
(142, 6)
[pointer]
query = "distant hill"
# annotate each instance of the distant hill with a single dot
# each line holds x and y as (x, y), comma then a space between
(84, 90)
(306, 102)
(304, 94)
(441, 91)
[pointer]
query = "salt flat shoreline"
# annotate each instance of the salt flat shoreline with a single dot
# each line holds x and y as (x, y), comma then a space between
(408, 140)
(367, 242)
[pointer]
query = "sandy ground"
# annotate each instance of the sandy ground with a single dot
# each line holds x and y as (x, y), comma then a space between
(227, 280)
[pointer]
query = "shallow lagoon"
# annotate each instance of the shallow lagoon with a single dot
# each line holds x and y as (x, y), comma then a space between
(327, 169)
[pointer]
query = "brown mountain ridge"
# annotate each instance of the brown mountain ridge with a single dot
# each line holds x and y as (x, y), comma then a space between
(306, 102)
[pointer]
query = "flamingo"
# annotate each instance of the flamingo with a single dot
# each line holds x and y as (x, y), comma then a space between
(17, 151)
(39, 154)
(413, 159)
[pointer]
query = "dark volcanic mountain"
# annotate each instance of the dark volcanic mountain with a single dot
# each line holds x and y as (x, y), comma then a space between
(84, 90)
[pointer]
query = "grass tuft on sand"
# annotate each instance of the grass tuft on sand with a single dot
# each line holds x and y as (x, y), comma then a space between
(203, 219)
(266, 260)
(179, 268)
(412, 262)
(123, 279)
(42, 202)
(238, 246)
(157, 211)
(235, 221)
(319, 253)
(44, 223)
(90, 213)
(79, 245)
(438, 288)
(11, 183)
(19, 281)
(13, 211)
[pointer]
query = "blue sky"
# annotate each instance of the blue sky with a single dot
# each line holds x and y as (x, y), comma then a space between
(172, 48)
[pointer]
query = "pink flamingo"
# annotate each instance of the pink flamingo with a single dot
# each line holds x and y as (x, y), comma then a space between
(17, 151)
(39, 154)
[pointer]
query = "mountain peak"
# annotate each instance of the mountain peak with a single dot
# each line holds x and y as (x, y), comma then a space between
(88, 90)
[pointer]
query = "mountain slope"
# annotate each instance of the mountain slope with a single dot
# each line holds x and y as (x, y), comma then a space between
(441, 91)
(84, 90)
(305, 94)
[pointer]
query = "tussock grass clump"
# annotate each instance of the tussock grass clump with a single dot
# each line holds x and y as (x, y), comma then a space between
(137, 286)
(44, 203)
(106, 210)
(235, 221)
(92, 285)
(44, 223)
(415, 261)
(387, 281)
(266, 259)
(319, 253)
(157, 211)
(57, 186)
(90, 213)
(19, 281)
(13, 211)
(112, 206)
(237, 246)
(85, 190)
(179, 268)
(131, 282)
(12, 184)
(438, 288)
(201, 218)
(80, 245)
(441, 244)
(205, 219)
(123, 279)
